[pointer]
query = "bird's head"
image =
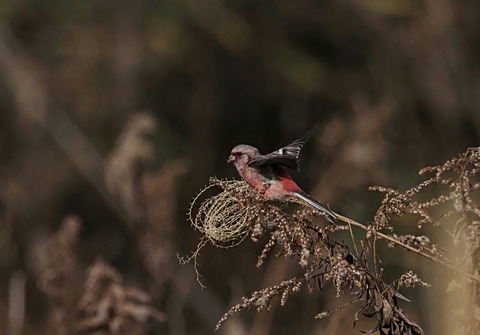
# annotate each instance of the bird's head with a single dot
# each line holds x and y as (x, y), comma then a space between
(241, 154)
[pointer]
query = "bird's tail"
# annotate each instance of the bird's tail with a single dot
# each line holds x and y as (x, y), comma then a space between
(329, 215)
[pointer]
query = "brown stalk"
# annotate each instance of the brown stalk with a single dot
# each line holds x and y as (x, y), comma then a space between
(406, 246)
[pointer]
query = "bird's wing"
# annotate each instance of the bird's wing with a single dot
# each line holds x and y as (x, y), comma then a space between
(287, 156)
(288, 161)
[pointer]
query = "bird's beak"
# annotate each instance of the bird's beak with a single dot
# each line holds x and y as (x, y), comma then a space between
(230, 159)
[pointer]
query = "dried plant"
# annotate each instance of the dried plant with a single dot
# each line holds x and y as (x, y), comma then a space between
(238, 210)
(147, 197)
(122, 166)
(100, 305)
(109, 307)
(224, 218)
(453, 206)
(57, 274)
(297, 236)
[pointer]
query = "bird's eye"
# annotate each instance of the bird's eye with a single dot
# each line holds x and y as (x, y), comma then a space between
(236, 154)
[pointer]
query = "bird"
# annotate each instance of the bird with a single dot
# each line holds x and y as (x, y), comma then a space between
(269, 173)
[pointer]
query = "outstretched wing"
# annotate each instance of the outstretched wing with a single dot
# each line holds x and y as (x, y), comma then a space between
(294, 148)
(275, 159)
(287, 156)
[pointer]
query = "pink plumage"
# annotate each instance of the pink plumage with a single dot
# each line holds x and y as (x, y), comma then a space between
(269, 175)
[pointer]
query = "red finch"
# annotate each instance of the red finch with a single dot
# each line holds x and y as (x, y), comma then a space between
(268, 173)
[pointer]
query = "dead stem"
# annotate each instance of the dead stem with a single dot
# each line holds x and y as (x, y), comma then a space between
(406, 246)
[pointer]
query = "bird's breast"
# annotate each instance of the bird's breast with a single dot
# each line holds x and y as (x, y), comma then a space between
(253, 177)
(269, 183)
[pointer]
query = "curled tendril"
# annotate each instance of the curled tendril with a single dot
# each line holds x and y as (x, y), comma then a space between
(222, 218)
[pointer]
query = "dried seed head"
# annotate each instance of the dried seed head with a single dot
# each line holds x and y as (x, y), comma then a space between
(410, 279)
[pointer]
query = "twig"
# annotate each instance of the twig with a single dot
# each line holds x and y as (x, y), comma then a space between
(353, 238)
(406, 246)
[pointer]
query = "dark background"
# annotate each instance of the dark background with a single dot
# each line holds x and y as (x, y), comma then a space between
(392, 85)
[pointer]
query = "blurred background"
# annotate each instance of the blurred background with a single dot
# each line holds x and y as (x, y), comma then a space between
(113, 115)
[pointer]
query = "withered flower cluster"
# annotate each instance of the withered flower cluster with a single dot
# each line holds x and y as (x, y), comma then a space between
(452, 204)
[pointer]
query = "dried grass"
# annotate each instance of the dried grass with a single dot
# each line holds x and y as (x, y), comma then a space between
(123, 164)
(101, 304)
(109, 307)
(57, 273)
(147, 197)
(223, 218)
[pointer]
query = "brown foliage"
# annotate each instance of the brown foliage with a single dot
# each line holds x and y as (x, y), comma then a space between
(324, 259)
(57, 274)
(456, 200)
(101, 304)
(109, 307)
(321, 257)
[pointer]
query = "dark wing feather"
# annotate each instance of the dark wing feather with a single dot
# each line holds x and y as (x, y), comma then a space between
(287, 156)
(288, 161)
(294, 148)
